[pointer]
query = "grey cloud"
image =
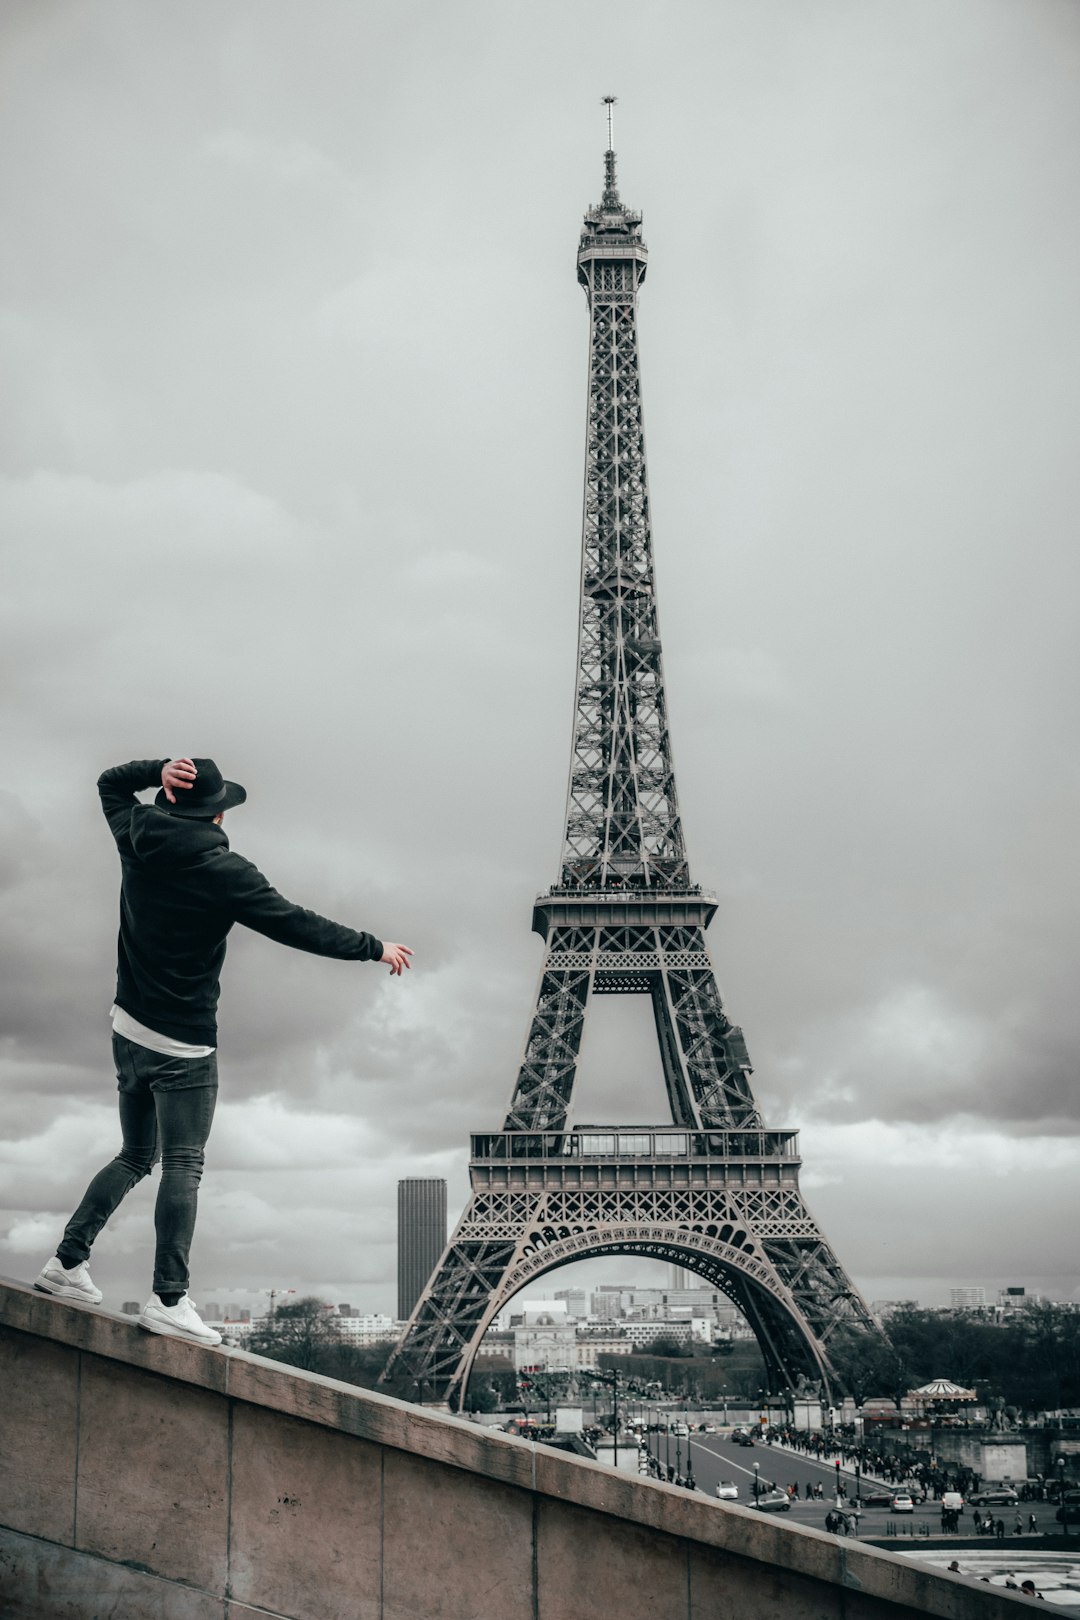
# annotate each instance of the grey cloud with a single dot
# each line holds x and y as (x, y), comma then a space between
(293, 478)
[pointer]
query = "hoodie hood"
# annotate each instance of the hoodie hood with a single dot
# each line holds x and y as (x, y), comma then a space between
(159, 839)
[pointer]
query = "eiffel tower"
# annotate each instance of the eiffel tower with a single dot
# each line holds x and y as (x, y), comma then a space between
(712, 1190)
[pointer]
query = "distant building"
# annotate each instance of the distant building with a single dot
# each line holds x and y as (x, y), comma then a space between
(239, 1332)
(1011, 1300)
(541, 1310)
(592, 1343)
(646, 1333)
(547, 1344)
(884, 1308)
(967, 1299)
(421, 1206)
(360, 1329)
(576, 1300)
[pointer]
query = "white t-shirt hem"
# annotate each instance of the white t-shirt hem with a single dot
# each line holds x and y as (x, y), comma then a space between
(130, 1028)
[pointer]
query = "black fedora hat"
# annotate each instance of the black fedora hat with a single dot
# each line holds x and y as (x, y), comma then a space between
(207, 796)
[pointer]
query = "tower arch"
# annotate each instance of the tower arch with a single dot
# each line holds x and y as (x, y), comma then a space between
(731, 1267)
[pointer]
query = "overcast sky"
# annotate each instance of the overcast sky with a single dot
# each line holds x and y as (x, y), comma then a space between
(292, 454)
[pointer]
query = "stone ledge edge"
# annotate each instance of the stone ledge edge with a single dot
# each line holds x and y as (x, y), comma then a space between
(455, 1442)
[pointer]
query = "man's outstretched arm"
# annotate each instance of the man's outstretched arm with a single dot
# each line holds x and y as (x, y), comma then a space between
(254, 902)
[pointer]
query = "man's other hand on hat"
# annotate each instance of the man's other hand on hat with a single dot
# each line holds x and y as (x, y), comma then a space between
(178, 773)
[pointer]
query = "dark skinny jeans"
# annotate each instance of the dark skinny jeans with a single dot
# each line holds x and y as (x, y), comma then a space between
(166, 1110)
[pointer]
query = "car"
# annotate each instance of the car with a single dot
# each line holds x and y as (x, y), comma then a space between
(1004, 1495)
(743, 1439)
(902, 1503)
(680, 1428)
(708, 1428)
(773, 1502)
(727, 1490)
(878, 1498)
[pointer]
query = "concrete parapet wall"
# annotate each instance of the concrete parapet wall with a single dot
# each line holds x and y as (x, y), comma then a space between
(144, 1478)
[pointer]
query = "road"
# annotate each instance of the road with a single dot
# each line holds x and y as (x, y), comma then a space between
(716, 1456)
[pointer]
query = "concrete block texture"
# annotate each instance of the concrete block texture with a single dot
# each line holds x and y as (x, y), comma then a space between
(110, 1334)
(379, 1418)
(590, 1567)
(148, 1478)
(306, 1519)
(455, 1547)
(153, 1474)
(723, 1587)
(37, 1444)
(39, 1581)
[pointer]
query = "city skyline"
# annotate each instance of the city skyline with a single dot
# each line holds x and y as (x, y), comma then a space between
(593, 1275)
(321, 346)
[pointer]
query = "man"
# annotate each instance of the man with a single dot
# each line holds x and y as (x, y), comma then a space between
(182, 890)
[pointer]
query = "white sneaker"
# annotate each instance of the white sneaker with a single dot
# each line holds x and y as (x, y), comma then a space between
(179, 1321)
(73, 1284)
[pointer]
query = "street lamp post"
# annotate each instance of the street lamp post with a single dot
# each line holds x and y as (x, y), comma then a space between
(691, 1482)
(757, 1478)
(1061, 1497)
(678, 1456)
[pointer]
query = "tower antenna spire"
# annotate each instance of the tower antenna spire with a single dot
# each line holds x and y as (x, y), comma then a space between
(611, 189)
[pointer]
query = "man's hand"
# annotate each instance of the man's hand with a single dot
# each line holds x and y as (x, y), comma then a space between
(179, 773)
(397, 956)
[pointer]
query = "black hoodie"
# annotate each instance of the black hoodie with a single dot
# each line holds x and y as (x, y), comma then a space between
(182, 890)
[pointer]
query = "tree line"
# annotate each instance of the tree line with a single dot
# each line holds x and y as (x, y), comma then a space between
(1030, 1362)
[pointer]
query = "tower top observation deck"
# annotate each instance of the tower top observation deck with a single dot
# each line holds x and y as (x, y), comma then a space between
(611, 230)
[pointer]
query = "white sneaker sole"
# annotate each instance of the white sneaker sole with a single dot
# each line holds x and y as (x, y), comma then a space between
(61, 1290)
(167, 1330)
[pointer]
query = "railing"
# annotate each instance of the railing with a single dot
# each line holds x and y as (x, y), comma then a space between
(632, 888)
(599, 1143)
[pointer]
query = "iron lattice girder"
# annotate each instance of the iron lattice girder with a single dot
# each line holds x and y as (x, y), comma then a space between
(738, 1239)
(706, 1063)
(713, 1190)
(622, 820)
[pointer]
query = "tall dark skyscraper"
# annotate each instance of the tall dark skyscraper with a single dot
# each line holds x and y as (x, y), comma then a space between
(421, 1238)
